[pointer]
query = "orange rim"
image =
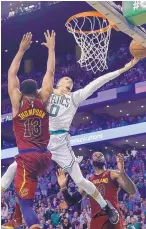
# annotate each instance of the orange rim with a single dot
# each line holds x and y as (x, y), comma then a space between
(91, 14)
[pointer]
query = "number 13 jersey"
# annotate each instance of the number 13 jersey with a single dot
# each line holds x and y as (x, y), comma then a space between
(31, 126)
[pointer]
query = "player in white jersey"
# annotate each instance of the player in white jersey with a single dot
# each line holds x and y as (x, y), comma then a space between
(62, 110)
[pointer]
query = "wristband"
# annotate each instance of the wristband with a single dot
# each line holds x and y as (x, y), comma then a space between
(63, 189)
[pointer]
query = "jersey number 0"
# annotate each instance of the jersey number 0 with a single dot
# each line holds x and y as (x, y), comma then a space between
(54, 110)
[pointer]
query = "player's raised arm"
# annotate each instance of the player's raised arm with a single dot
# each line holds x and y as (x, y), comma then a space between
(122, 178)
(82, 94)
(48, 80)
(13, 81)
(70, 199)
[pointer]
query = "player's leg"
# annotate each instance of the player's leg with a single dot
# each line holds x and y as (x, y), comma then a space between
(26, 183)
(108, 225)
(30, 217)
(18, 214)
(25, 187)
(120, 224)
(17, 221)
(101, 222)
(90, 189)
(8, 177)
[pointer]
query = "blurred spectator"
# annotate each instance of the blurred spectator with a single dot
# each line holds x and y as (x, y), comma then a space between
(98, 123)
(85, 202)
(137, 211)
(63, 204)
(81, 77)
(55, 218)
(53, 211)
(66, 224)
(4, 211)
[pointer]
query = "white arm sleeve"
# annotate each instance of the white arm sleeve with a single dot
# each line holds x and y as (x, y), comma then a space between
(9, 175)
(82, 94)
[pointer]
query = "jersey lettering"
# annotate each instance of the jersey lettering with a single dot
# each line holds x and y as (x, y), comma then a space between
(30, 112)
(101, 189)
(59, 100)
(32, 127)
(102, 180)
(54, 110)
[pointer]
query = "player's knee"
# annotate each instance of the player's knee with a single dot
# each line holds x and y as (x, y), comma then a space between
(26, 206)
(79, 181)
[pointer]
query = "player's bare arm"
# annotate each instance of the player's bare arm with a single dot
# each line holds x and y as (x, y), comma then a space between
(62, 181)
(122, 178)
(48, 80)
(13, 81)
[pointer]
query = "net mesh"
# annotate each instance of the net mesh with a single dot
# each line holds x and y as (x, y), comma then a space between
(94, 45)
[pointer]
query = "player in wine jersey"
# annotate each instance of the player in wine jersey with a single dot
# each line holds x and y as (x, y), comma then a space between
(62, 110)
(30, 125)
(107, 182)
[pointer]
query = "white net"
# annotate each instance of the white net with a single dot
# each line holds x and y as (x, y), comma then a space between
(94, 45)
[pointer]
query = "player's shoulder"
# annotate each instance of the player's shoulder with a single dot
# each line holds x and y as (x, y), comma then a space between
(110, 171)
(91, 177)
(113, 171)
(114, 174)
(37, 101)
(73, 97)
(72, 93)
(107, 173)
(76, 92)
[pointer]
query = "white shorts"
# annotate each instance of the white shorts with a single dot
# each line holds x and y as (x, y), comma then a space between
(62, 153)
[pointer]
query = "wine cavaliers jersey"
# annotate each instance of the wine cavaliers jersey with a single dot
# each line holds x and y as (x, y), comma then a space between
(108, 189)
(31, 126)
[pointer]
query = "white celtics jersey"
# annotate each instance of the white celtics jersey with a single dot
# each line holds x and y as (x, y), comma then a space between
(61, 111)
(63, 108)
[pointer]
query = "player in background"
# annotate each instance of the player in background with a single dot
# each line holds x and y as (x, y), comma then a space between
(107, 182)
(30, 125)
(62, 110)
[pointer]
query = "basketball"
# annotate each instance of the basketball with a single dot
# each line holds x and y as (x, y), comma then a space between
(137, 50)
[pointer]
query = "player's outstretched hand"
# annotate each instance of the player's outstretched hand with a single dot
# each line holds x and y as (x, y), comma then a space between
(62, 178)
(120, 163)
(50, 39)
(130, 65)
(26, 42)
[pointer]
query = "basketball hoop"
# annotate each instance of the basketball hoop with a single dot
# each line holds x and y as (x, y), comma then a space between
(91, 31)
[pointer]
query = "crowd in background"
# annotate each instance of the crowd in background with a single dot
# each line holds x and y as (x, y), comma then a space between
(53, 211)
(20, 8)
(81, 77)
(103, 122)
(97, 123)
